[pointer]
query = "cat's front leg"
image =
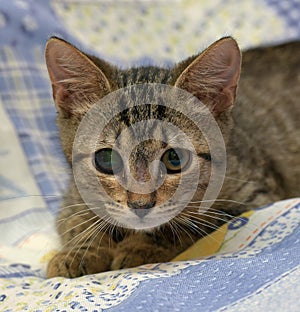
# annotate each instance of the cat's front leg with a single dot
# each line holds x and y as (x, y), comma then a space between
(85, 248)
(75, 263)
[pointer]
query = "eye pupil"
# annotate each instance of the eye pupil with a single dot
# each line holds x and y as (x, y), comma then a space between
(175, 160)
(108, 161)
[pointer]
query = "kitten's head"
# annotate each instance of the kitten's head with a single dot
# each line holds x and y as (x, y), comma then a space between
(150, 146)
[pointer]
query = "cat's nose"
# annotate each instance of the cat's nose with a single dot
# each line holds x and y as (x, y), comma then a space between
(141, 209)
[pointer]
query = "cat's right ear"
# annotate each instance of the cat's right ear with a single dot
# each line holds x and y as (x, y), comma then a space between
(77, 83)
(213, 75)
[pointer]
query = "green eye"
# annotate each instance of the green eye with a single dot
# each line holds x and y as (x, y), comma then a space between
(108, 161)
(176, 160)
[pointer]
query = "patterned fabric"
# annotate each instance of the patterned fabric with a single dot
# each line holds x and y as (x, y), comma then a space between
(246, 265)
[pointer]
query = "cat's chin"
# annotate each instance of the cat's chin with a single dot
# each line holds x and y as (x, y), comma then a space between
(147, 224)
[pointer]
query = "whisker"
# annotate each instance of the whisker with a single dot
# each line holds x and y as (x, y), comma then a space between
(173, 234)
(79, 224)
(174, 227)
(80, 248)
(78, 236)
(113, 224)
(201, 231)
(73, 205)
(84, 204)
(94, 232)
(27, 196)
(217, 215)
(205, 223)
(219, 200)
(183, 228)
(79, 213)
(102, 229)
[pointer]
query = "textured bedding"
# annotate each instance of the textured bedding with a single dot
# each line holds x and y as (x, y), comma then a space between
(250, 264)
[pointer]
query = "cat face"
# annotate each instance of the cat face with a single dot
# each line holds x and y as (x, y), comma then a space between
(144, 153)
(142, 164)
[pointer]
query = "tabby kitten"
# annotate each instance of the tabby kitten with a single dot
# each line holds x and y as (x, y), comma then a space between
(260, 129)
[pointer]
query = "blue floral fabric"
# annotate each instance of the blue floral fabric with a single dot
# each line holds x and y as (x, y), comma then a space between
(258, 257)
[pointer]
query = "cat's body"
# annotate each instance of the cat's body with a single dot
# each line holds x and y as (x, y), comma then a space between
(265, 140)
(263, 163)
(268, 110)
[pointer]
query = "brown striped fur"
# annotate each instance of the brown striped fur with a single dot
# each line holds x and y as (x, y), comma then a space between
(263, 146)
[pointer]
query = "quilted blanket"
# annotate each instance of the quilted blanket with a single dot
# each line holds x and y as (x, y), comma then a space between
(249, 264)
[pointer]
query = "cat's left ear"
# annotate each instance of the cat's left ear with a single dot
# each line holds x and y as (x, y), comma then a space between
(213, 75)
(77, 82)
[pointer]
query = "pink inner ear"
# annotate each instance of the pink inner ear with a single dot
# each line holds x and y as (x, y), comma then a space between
(76, 80)
(61, 94)
(213, 76)
(56, 52)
